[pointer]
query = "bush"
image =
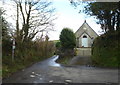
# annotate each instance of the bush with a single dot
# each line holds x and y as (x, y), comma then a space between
(105, 50)
(26, 54)
(67, 39)
(58, 45)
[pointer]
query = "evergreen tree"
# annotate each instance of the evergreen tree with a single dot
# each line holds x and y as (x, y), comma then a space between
(67, 39)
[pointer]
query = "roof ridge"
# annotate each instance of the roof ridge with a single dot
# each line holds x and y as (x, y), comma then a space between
(88, 25)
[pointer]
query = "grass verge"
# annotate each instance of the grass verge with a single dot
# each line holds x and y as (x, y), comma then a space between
(9, 67)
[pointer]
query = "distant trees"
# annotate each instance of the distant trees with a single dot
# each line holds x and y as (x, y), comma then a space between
(44, 48)
(58, 45)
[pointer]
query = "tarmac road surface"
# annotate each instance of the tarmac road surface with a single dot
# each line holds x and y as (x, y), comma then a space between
(48, 71)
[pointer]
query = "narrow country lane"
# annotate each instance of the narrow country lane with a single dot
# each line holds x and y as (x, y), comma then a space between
(48, 71)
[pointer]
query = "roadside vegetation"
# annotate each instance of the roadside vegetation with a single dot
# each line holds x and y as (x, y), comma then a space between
(25, 56)
(30, 48)
(105, 50)
(106, 47)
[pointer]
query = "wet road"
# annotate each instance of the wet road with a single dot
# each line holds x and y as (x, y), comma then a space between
(48, 71)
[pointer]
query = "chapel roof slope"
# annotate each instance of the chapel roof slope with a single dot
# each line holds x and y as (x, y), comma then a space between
(88, 26)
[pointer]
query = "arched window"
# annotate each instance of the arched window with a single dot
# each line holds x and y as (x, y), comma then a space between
(84, 36)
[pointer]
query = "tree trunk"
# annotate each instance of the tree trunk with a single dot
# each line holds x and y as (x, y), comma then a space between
(118, 21)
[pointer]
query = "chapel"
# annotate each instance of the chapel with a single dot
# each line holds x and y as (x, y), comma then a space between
(85, 36)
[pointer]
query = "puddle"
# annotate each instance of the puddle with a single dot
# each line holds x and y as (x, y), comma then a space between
(52, 62)
(32, 76)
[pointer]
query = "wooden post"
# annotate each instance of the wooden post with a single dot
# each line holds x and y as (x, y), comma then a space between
(13, 48)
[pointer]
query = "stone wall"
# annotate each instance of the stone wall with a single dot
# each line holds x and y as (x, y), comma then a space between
(83, 51)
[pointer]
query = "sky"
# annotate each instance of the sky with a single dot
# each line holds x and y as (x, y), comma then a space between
(67, 16)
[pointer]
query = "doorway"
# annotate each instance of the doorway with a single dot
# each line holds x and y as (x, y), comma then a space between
(84, 41)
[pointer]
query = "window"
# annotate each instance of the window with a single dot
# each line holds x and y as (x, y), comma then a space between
(84, 36)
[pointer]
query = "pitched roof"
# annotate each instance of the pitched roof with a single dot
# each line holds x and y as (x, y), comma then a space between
(88, 25)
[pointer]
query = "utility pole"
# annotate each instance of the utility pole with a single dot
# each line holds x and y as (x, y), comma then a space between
(13, 49)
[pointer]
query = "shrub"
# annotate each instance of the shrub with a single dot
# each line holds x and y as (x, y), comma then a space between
(68, 42)
(105, 50)
(26, 54)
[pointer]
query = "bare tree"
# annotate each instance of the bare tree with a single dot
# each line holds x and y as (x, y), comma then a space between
(36, 16)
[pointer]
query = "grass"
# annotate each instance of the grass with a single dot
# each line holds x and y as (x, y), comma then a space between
(64, 61)
(9, 67)
(7, 70)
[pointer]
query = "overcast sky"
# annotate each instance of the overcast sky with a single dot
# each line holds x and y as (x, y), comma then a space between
(67, 16)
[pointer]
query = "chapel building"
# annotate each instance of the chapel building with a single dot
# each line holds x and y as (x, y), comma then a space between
(85, 36)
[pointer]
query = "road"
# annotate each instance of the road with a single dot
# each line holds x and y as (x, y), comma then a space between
(48, 71)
